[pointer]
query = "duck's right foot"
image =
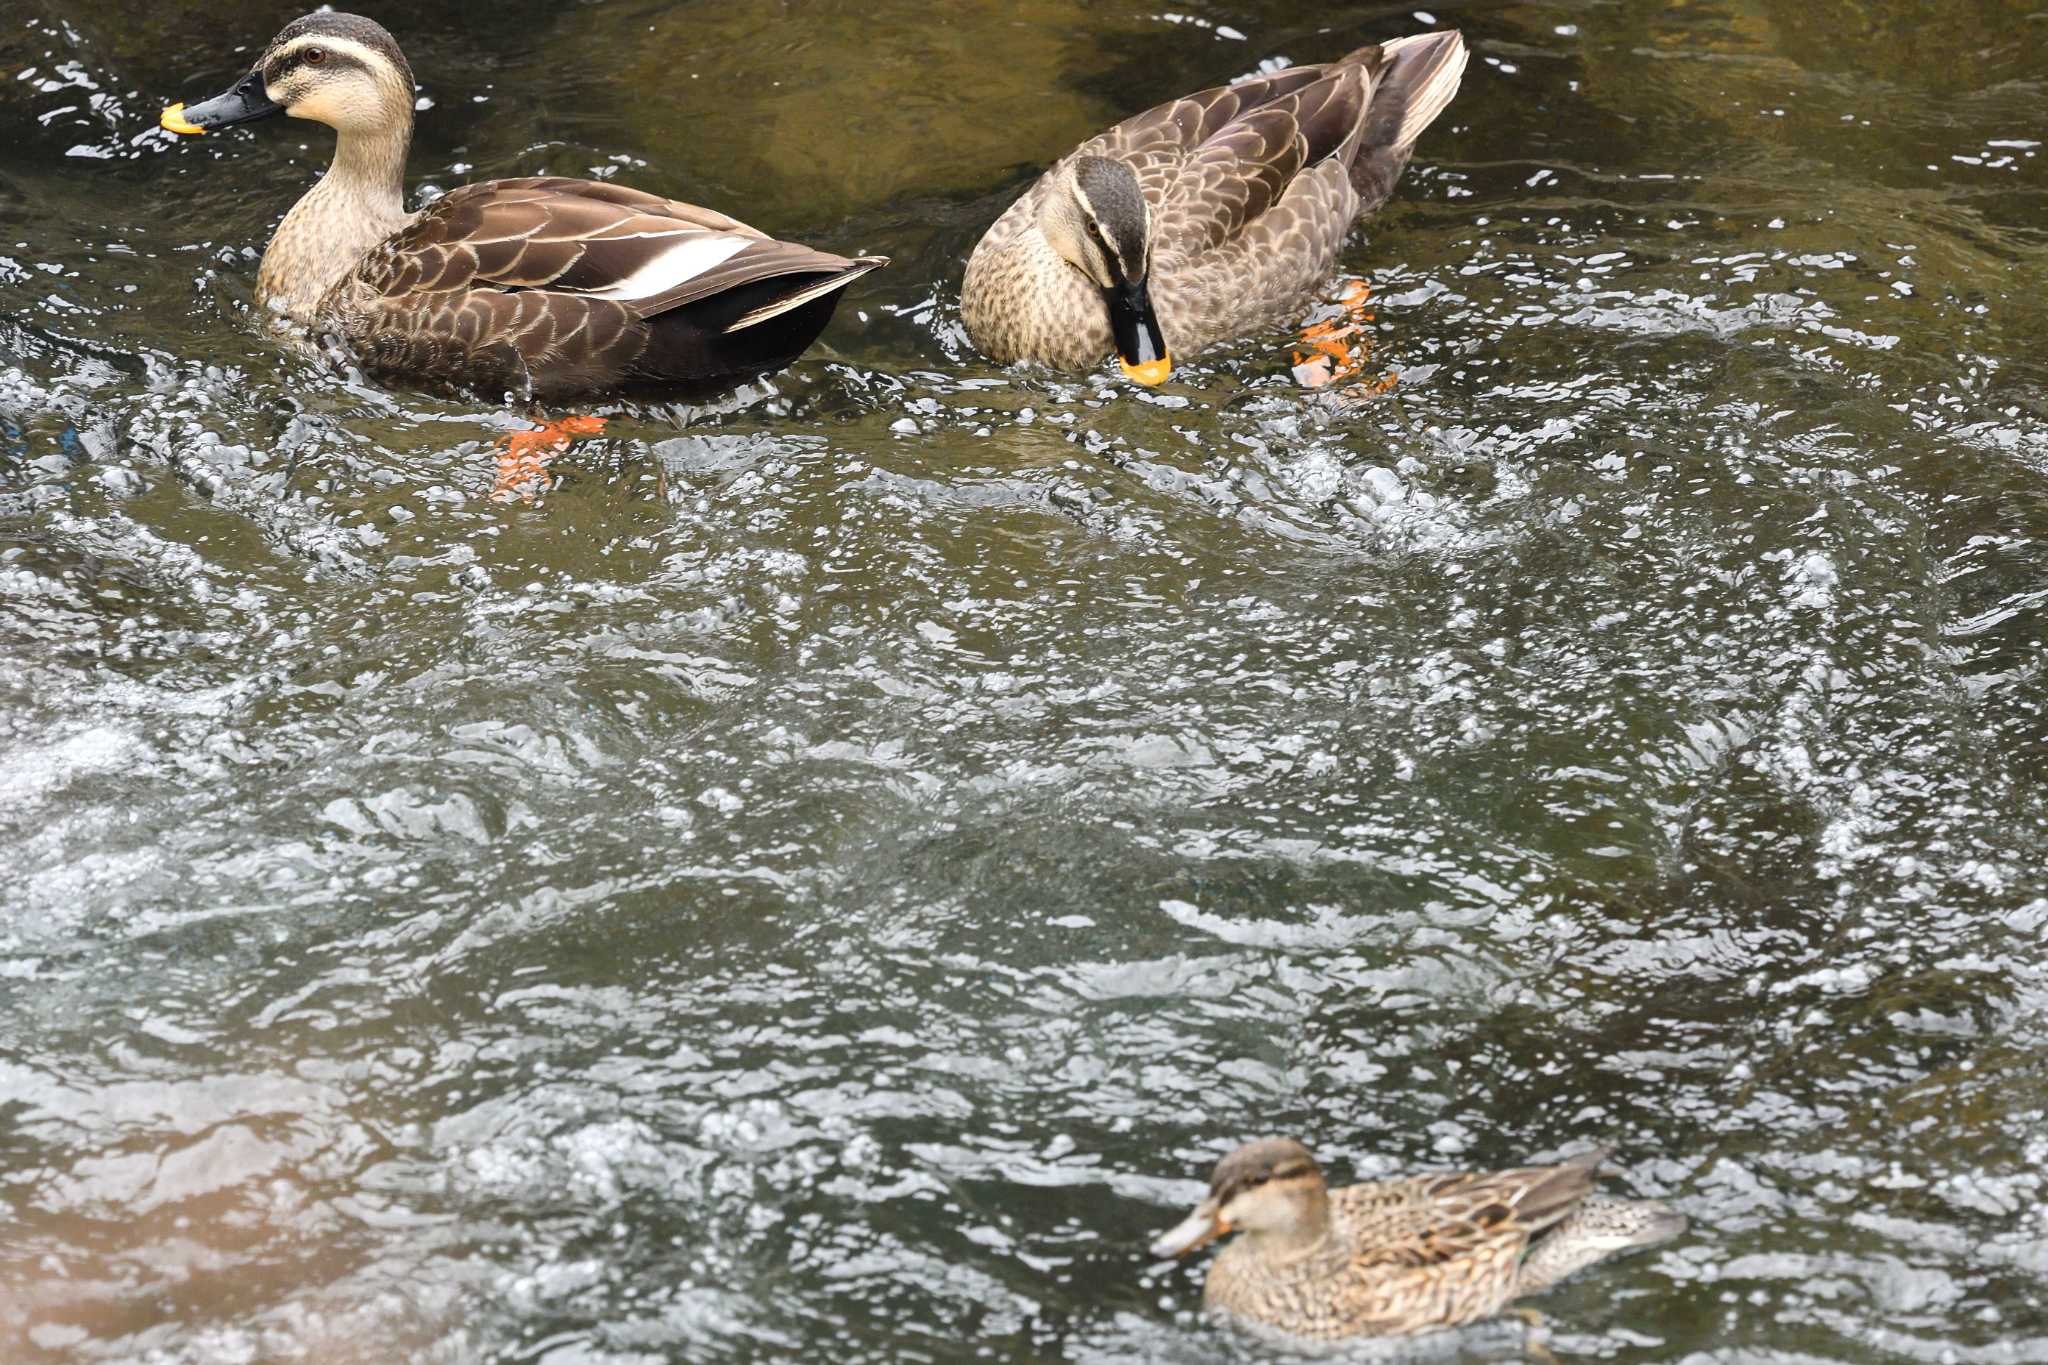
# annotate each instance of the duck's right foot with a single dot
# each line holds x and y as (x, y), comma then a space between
(1335, 350)
(523, 456)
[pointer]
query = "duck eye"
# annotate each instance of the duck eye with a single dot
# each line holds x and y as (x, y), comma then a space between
(313, 56)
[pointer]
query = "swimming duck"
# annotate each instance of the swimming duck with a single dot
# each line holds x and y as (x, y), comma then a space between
(1396, 1257)
(1206, 218)
(541, 286)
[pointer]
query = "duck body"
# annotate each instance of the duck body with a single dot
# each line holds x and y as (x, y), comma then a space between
(1398, 1257)
(549, 286)
(538, 287)
(1244, 195)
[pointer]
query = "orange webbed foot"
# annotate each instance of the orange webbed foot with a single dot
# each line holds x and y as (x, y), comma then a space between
(523, 456)
(1335, 350)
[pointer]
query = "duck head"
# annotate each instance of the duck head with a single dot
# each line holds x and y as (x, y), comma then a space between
(338, 69)
(1095, 219)
(1271, 1189)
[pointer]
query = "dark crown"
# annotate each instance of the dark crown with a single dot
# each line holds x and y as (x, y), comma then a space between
(1111, 189)
(355, 28)
(1255, 1163)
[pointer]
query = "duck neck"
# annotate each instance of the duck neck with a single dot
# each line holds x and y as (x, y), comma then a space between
(370, 163)
(356, 205)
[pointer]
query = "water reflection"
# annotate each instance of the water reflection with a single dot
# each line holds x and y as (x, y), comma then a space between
(830, 878)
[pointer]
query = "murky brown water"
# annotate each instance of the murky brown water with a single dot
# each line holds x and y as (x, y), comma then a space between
(828, 881)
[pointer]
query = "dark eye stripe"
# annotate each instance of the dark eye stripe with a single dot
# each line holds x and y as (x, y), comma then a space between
(335, 61)
(1292, 1171)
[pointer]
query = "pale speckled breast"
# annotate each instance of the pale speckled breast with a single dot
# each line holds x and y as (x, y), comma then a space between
(320, 244)
(1307, 1303)
(1020, 301)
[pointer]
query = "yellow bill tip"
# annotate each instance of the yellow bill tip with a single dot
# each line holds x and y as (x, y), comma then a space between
(1150, 373)
(172, 119)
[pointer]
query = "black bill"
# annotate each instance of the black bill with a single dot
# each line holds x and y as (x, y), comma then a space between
(1140, 345)
(245, 102)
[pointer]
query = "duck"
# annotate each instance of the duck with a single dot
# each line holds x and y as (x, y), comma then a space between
(1395, 1258)
(1206, 218)
(538, 287)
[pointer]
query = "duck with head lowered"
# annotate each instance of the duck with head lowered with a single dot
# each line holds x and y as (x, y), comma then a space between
(539, 287)
(1397, 1257)
(1206, 218)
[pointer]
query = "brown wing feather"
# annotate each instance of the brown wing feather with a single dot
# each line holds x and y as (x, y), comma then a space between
(1249, 164)
(1158, 142)
(575, 237)
(1179, 126)
(1212, 163)
(1438, 1250)
(1228, 181)
(1257, 277)
(1448, 1217)
(544, 189)
(519, 341)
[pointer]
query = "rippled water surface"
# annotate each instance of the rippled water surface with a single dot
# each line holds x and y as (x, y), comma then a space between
(827, 881)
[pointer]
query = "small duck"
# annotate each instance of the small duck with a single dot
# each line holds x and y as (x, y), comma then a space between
(1397, 1257)
(542, 286)
(1206, 218)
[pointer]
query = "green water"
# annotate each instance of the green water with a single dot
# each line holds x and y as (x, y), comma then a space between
(828, 881)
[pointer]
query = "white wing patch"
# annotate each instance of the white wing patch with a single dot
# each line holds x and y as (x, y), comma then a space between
(692, 254)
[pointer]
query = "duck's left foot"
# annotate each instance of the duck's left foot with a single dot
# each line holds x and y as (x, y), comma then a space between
(523, 456)
(1334, 350)
(1533, 1341)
